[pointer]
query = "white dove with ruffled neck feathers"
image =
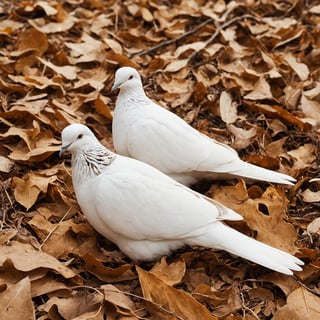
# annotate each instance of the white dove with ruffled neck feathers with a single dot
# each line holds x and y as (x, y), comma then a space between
(148, 214)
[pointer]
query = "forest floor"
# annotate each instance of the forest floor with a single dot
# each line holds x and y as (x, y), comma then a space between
(246, 73)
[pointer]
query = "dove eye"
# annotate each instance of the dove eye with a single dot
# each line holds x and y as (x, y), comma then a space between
(131, 77)
(80, 136)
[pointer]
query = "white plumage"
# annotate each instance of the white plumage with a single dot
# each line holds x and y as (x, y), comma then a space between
(148, 214)
(145, 131)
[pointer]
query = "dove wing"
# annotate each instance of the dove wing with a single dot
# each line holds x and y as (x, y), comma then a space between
(150, 137)
(138, 202)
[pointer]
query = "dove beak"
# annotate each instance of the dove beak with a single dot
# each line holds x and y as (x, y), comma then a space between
(116, 85)
(63, 149)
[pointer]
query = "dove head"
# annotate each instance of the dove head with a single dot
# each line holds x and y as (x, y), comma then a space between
(127, 78)
(75, 137)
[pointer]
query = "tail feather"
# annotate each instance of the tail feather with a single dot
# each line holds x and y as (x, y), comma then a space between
(220, 236)
(253, 172)
(231, 170)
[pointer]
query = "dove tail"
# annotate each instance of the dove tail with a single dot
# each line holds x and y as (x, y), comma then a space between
(220, 236)
(251, 171)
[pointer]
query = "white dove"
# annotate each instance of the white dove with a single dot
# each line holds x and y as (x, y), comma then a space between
(148, 214)
(147, 132)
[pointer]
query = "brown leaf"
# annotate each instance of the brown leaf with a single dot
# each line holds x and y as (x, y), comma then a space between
(62, 24)
(16, 301)
(102, 108)
(32, 40)
(28, 188)
(301, 305)
(278, 111)
(303, 156)
(81, 306)
(223, 302)
(228, 109)
(25, 258)
(47, 285)
(310, 196)
(89, 49)
(168, 302)
(107, 274)
(314, 226)
(118, 299)
(7, 235)
(176, 65)
(260, 91)
(265, 214)
(171, 274)
(311, 109)
(65, 237)
(5, 164)
(300, 68)
(264, 161)
(69, 72)
(243, 137)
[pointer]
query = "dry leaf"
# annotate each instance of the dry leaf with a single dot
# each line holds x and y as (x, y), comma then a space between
(69, 72)
(118, 299)
(300, 68)
(171, 274)
(314, 226)
(265, 214)
(228, 109)
(5, 164)
(260, 91)
(25, 258)
(300, 304)
(27, 189)
(168, 302)
(58, 60)
(16, 300)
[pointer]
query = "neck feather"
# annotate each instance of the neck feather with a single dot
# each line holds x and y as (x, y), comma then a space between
(90, 162)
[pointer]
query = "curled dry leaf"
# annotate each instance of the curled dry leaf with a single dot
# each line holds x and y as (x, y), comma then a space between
(107, 274)
(118, 299)
(6, 164)
(314, 226)
(171, 274)
(228, 109)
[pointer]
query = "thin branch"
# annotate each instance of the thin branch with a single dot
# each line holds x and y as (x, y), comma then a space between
(306, 287)
(5, 210)
(53, 229)
(245, 308)
(170, 41)
(194, 30)
(220, 28)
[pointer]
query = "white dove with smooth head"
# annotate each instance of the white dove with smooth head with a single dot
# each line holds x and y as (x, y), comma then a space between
(148, 214)
(147, 132)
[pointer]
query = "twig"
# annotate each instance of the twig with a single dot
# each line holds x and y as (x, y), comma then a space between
(220, 28)
(306, 287)
(53, 229)
(5, 210)
(245, 307)
(170, 41)
(88, 287)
